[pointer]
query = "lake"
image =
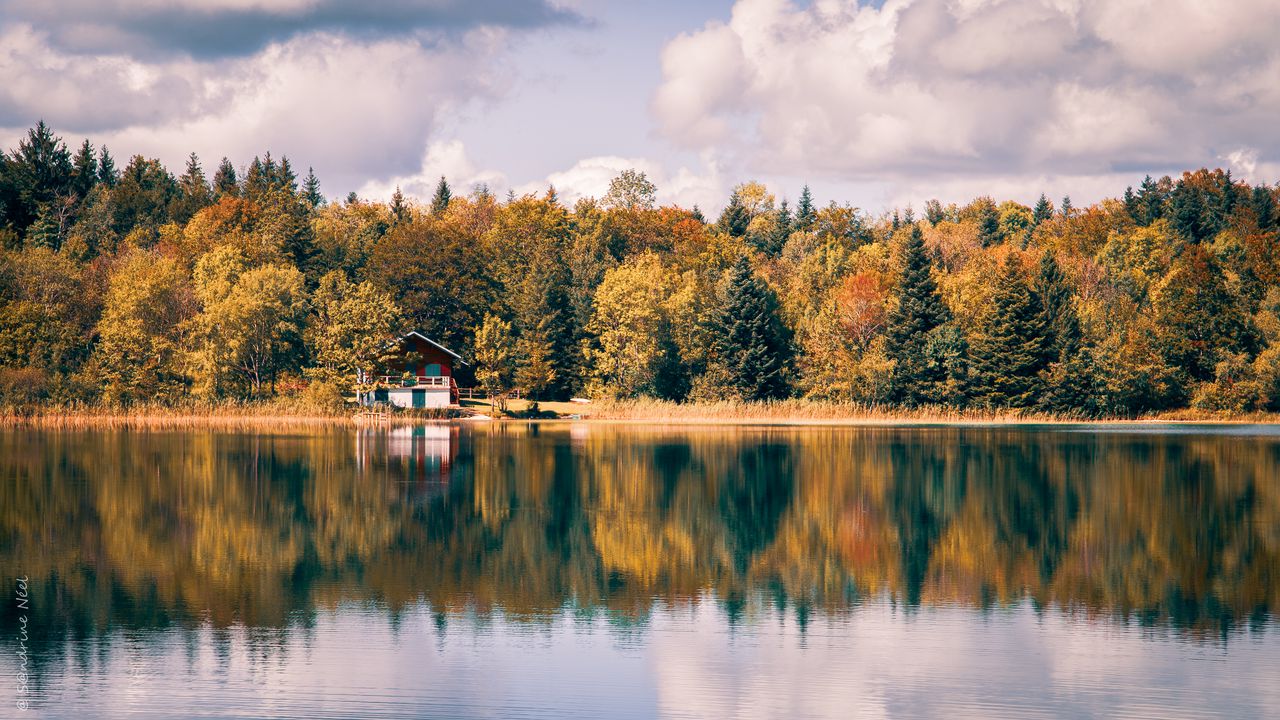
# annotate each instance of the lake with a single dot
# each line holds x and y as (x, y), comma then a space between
(592, 570)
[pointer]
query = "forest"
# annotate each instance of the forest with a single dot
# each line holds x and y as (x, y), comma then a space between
(123, 284)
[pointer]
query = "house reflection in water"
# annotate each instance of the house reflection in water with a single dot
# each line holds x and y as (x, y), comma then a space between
(420, 455)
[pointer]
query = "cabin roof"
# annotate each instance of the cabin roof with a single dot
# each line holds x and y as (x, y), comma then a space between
(415, 333)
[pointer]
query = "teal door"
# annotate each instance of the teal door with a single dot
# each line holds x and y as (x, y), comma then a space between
(419, 398)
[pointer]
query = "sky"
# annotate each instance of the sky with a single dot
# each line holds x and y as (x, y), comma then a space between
(879, 104)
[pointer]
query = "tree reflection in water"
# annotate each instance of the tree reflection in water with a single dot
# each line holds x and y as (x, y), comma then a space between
(144, 530)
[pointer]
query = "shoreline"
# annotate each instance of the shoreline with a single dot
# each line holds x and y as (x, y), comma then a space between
(783, 414)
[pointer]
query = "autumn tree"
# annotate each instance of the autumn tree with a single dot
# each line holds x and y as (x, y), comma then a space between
(139, 352)
(495, 358)
(351, 329)
(633, 352)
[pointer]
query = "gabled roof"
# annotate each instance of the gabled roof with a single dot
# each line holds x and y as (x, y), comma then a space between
(420, 336)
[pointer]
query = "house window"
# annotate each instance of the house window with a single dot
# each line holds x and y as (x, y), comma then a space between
(432, 370)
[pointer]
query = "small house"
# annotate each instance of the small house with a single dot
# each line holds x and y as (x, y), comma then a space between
(419, 375)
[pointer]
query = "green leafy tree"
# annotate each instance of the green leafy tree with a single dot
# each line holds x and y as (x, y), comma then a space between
(1197, 317)
(351, 331)
(633, 353)
(138, 355)
(631, 190)
(495, 358)
(250, 325)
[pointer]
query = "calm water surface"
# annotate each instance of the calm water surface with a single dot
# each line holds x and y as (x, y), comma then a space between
(564, 570)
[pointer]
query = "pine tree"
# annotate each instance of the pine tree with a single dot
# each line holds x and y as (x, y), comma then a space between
(1131, 203)
(195, 194)
(40, 171)
(398, 208)
(696, 214)
(751, 347)
(284, 178)
(311, 194)
(805, 214)
(1150, 202)
(440, 201)
(1058, 310)
(224, 181)
(107, 174)
(781, 231)
(989, 225)
(734, 218)
(1011, 350)
(1068, 210)
(1264, 207)
(1043, 210)
(84, 171)
(919, 313)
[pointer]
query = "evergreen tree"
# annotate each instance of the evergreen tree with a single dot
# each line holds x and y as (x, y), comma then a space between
(224, 181)
(1192, 214)
(1263, 204)
(257, 180)
(751, 346)
(1150, 202)
(696, 213)
(311, 194)
(916, 378)
(989, 225)
(1057, 307)
(781, 231)
(1043, 210)
(440, 201)
(398, 208)
(84, 171)
(735, 217)
(40, 172)
(806, 216)
(1012, 349)
(107, 174)
(194, 193)
(1131, 205)
(285, 179)
(1068, 210)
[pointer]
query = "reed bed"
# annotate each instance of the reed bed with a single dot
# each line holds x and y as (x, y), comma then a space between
(290, 413)
(801, 412)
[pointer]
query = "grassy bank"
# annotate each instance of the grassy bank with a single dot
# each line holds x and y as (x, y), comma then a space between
(289, 412)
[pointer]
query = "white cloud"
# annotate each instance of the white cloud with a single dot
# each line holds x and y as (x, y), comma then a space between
(446, 159)
(981, 88)
(352, 109)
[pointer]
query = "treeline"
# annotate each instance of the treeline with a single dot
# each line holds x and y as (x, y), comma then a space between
(128, 285)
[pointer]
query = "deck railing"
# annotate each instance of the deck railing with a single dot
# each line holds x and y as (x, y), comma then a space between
(441, 381)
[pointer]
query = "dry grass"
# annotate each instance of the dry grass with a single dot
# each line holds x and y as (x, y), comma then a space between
(285, 413)
(799, 412)
(282, 413)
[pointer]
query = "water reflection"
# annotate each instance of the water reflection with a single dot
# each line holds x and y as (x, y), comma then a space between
(230, 544)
